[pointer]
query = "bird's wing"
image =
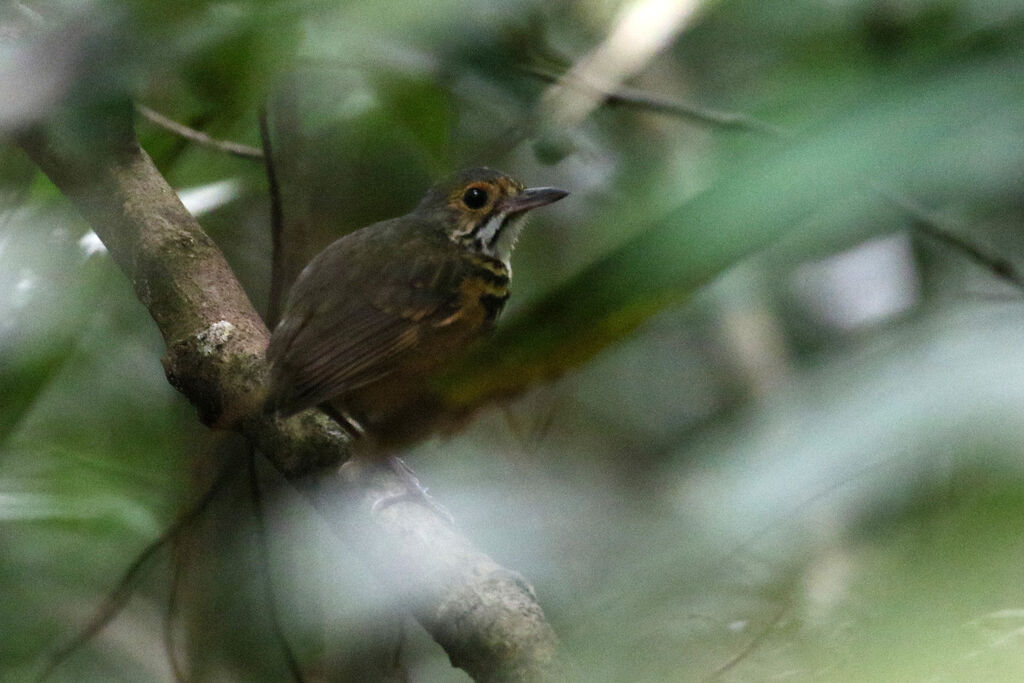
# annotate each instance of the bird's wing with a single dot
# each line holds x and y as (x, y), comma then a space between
(333, 341)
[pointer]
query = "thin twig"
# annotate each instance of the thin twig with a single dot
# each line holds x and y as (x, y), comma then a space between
(930, 225)
(118, 597)
(266, 580)
(792, 514)
(170, 647)
(754, 643)
(633, 97)
(200, 138)
(276, 225)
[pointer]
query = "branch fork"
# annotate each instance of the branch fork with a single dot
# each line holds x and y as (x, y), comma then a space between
(486, 617)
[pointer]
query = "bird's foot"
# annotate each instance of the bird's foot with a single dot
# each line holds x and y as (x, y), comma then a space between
(415, 492)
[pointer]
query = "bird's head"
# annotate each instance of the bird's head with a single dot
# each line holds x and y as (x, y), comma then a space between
(484, 210)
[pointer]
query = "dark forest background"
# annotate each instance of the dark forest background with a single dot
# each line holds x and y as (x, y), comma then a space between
(785, 437)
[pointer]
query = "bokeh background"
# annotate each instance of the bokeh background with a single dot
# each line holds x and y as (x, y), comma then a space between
(785, 443)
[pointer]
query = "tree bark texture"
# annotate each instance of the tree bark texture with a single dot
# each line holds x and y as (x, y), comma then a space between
(487, 618)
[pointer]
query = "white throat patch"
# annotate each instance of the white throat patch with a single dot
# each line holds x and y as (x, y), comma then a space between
(498, 236)
(507, 239)
(486, 233)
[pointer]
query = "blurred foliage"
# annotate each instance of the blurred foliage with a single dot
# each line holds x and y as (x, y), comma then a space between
(790, 445)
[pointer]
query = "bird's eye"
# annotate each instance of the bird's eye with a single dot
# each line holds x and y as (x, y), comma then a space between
(475, 197)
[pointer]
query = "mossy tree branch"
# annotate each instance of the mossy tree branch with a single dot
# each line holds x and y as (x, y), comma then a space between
(490, 624)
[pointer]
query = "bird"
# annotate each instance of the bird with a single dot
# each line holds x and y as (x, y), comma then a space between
(378, 312)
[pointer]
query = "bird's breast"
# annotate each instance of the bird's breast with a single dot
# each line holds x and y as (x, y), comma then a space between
(483, 292)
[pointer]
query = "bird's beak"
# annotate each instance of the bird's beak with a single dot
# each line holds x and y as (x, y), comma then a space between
(533, 197)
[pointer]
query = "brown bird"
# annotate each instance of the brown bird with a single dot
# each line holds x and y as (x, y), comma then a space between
(376, 313)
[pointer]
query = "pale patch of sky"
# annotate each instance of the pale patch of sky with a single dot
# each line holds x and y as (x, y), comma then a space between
(866, 285)
(90, 244)
(206, 198)
(23, 287)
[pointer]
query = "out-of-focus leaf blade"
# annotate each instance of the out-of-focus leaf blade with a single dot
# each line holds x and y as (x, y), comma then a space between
(914, 136)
